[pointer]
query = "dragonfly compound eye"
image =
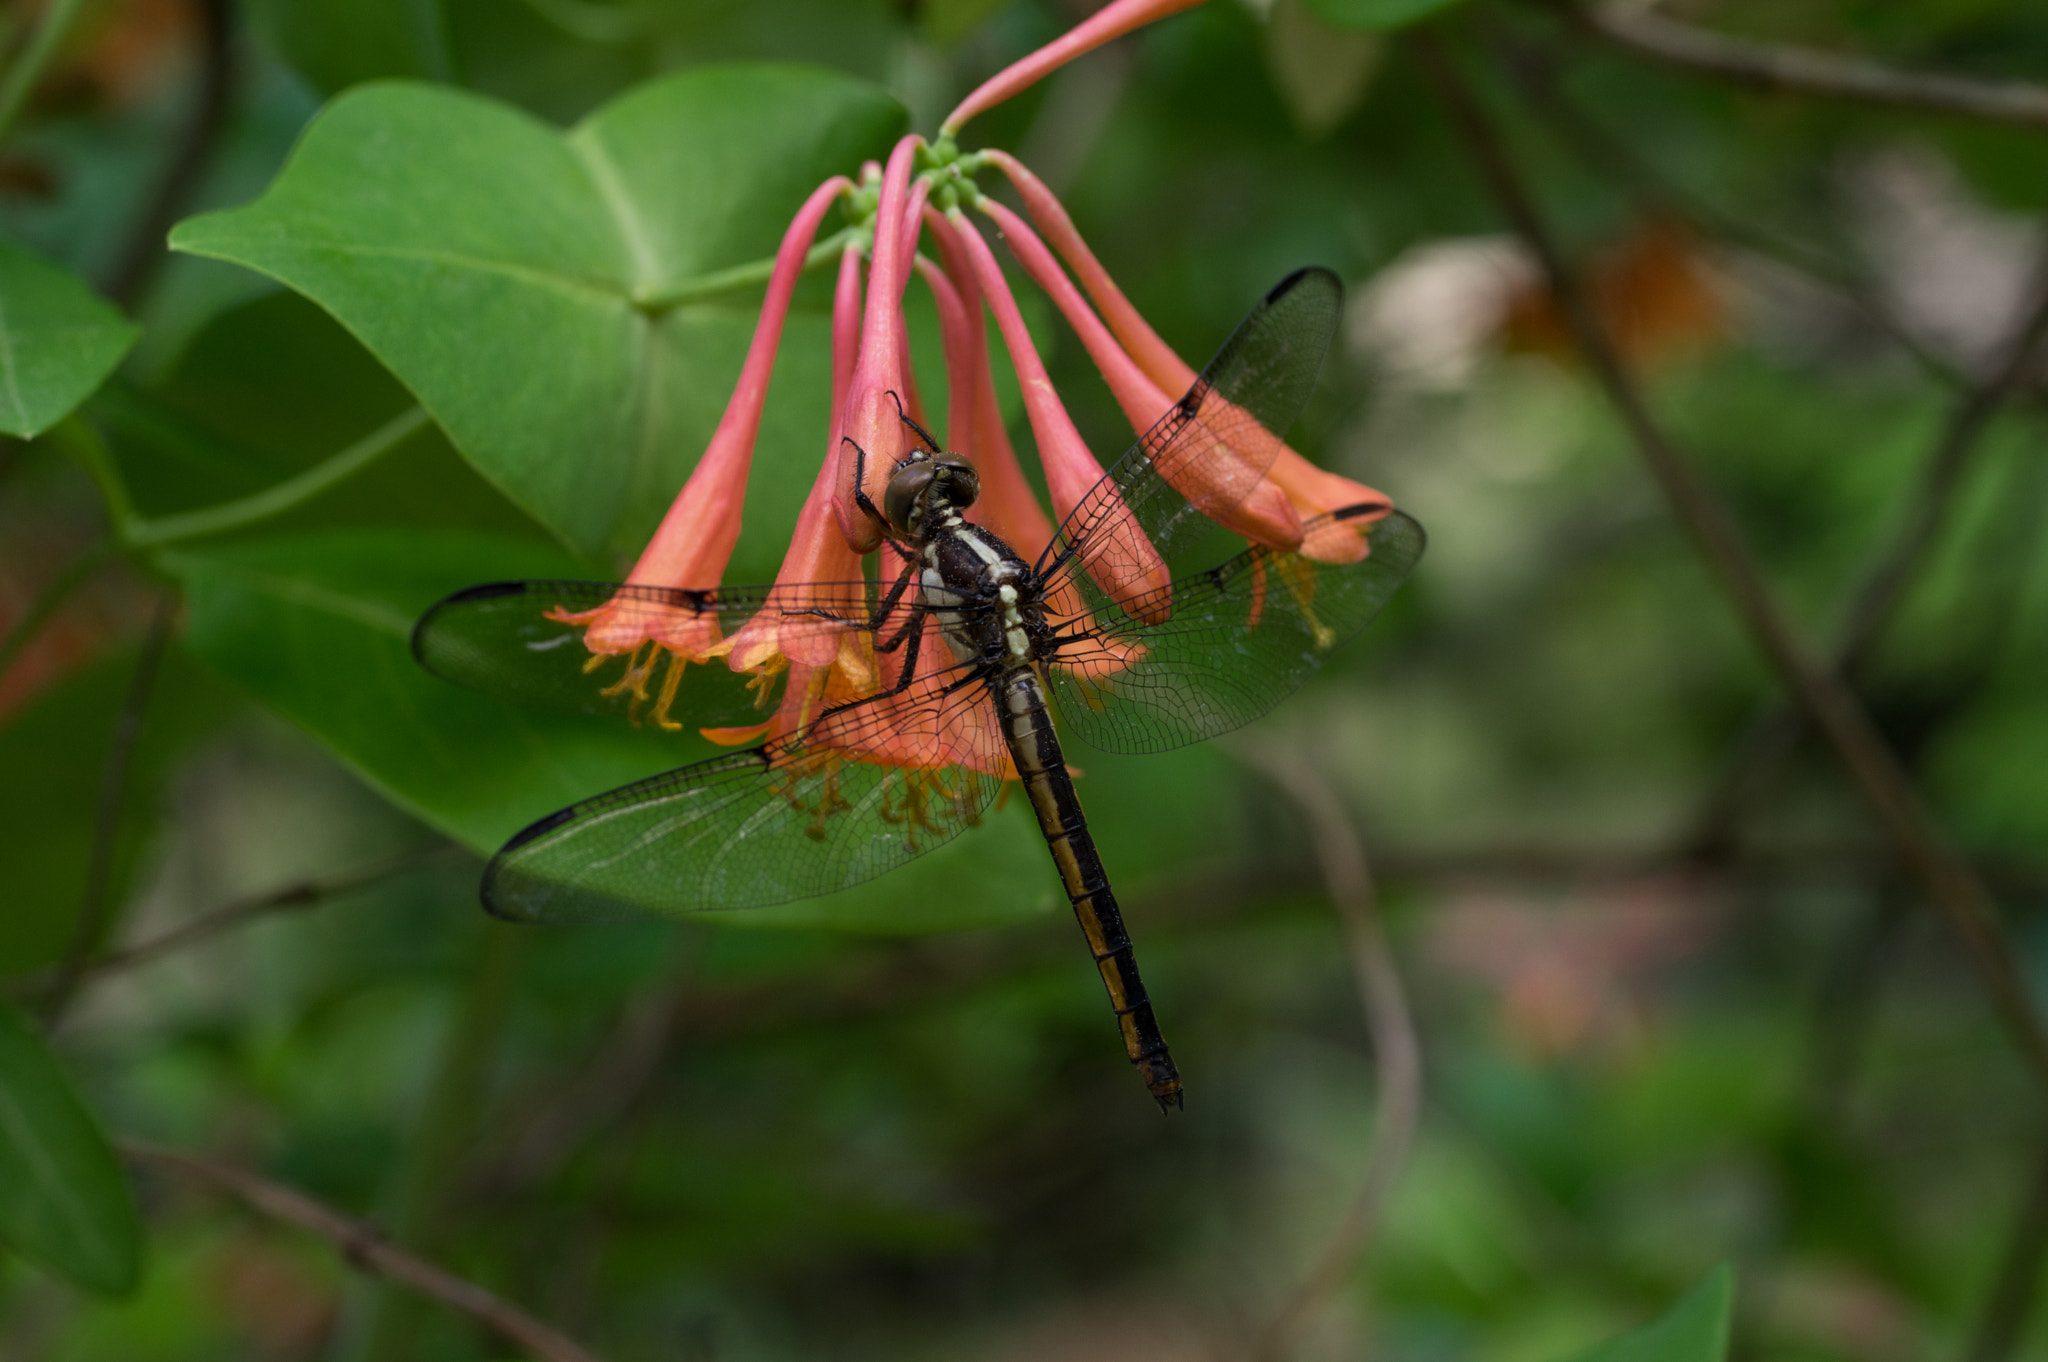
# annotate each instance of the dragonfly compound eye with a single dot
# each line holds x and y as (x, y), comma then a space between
(903, 502)
(961, 483)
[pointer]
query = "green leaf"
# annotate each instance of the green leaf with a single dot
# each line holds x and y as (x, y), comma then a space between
(318, 627)
(338, 43)
(63, 1199)
(1378, 16)
(511, 275)
(58, 342)
(1694, 1330)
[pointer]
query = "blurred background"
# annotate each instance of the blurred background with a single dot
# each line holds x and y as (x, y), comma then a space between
(1675, 1000)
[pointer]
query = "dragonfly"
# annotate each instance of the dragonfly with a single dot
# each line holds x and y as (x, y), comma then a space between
(1140, 627)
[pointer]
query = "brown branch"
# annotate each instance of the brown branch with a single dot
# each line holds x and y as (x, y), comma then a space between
(1802, 70)
(144, 249)
(1947, 881)
(1603, 152)
(1892, 570)
(2012, 1290)
(364, 1247)
(1341, 859)
(93, 904)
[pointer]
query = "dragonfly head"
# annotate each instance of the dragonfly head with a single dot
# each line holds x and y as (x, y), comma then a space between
(923, 481)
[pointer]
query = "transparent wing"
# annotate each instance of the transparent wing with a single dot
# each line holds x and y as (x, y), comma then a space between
(525, 642)
(1214, 446)
(865, 788)
(1240, 638)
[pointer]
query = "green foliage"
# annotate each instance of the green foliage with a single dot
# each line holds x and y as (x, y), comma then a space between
(1379, 16)
(411, 213)
(1693, 1330)
(64, 1202)
(58, 342)
(338, 43)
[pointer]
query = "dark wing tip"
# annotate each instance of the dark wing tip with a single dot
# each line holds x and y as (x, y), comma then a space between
(536, 830)
(485, 592)
(1295, 280)
(497, 901)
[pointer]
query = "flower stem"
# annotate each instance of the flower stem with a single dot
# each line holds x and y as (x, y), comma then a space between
(741, 276)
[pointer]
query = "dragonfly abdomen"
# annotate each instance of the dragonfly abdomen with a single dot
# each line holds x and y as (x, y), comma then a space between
(1035, 747)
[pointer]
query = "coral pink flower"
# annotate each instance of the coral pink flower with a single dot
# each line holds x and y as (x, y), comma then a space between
(1314, 492)
(696, 537)
(821, 653)
(1207, 472)
(1123, 562)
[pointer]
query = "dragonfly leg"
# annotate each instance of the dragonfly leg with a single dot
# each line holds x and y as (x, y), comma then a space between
(860, 480)
(922, 433)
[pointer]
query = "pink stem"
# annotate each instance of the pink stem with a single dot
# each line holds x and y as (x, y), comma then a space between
(1111, 21)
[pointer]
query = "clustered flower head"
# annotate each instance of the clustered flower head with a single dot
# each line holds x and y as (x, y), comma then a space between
(926, 193)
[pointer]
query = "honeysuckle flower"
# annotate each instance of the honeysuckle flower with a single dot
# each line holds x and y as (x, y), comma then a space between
(807, 661)
(1211, 476)
(1314, 492)
(696, 537)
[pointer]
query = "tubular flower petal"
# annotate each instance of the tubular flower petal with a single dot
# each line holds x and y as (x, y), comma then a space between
(1314, 492)
(1153, 355)
(870, 418)
(1211, 475)
(1111, 21)
(817, 551)
(1127, 567)
(696, 537)
(1320, 495)
(975, 424)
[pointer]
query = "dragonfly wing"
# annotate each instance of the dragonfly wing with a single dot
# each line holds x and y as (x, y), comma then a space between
(867, 787)
(1216, 443)
(1241, 637)
(525, 642)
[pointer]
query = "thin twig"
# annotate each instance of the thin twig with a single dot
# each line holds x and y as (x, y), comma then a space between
(1947, 880)
(1341, 858)
(106, 823)
(1891, 573)
(2012, 1291)
(144, 248)
(364, 1247)
(304, 894)
(1803, 70)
